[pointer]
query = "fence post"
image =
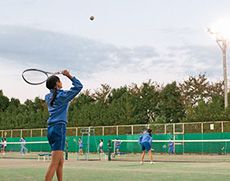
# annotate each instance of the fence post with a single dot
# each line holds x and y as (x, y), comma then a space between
(132, 129)
(173, 128)
(222, 126)
(165, 127)
(183, 127)
(31, 132)
(5, 133)
(11, 133)
(103, 131)
(21, 133)
(202, 127)
(76, 132)
(116, 130)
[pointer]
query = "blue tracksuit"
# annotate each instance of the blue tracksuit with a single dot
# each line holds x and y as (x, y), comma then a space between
(145, 140)
(58, 114)
(171, 147)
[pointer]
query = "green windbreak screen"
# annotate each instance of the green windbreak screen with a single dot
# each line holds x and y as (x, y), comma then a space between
(130, 144)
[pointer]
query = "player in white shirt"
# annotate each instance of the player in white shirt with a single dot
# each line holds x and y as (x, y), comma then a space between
(101, 146)
(4, 144)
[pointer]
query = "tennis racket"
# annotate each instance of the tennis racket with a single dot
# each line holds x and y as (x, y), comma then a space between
(36, 76)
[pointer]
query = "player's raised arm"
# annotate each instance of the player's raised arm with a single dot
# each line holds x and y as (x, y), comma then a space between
(74, 90)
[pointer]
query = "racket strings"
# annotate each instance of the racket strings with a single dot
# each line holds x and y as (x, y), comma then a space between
(34, 77)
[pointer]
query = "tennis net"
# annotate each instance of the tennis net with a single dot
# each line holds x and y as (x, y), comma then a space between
(175, 150)
(30, 150)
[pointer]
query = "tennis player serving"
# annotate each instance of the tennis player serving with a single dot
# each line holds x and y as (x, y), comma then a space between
(57, 101)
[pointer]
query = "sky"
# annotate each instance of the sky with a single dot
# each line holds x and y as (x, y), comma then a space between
(129, 41)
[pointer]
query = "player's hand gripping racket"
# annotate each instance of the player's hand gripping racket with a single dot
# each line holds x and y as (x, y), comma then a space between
(36, 76)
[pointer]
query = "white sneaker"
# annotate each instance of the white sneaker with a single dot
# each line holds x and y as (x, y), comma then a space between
(141, 163)
(152, 163)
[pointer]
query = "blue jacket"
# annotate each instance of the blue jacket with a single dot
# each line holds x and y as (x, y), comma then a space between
(58, 112)
(145, 138)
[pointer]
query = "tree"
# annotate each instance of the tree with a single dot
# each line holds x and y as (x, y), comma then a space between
(195, 99)
(170, 104)
(4, 101)
(146, 99)
(197, 89)
(194, 90)
(102, 94)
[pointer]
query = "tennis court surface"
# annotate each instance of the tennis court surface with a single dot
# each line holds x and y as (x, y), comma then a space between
(174, 167)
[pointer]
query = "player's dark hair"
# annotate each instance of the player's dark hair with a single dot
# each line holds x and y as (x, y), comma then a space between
(51, 85)
(149, 131)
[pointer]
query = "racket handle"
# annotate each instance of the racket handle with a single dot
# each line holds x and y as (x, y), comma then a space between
(67, 74)
(59, 72)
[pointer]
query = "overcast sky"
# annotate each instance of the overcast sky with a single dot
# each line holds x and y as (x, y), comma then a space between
(130, 41)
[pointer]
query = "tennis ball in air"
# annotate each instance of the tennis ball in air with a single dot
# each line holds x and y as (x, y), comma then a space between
(91, 18)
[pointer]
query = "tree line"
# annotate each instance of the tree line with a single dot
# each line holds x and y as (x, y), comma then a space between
(195, 99)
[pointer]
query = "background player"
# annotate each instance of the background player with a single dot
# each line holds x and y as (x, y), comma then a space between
(146, 140)
(23, 150)
(80, 144)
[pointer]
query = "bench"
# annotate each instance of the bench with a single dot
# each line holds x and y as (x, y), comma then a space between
(44, 156)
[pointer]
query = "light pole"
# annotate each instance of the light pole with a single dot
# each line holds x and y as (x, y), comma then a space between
(223, 44)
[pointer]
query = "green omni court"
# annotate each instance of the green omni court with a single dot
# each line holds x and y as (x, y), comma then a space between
(199, 155)
(27, 170)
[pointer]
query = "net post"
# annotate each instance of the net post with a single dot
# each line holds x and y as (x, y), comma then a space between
(114, 146)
